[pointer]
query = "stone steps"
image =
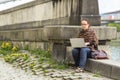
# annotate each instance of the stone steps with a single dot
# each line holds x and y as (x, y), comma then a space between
(104, 67)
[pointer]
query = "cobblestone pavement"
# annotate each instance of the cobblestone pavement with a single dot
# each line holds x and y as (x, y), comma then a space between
(8, 72)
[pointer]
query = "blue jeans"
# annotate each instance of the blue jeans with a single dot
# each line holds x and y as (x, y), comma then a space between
(80, 56)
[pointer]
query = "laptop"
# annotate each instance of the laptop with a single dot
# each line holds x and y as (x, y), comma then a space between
(77, 42)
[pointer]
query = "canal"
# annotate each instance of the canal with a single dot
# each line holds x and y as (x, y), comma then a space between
(115, 50)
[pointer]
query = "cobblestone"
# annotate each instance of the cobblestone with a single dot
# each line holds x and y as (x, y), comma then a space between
(10, 72)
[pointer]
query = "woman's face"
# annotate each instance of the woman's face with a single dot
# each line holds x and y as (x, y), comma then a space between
(84, 24)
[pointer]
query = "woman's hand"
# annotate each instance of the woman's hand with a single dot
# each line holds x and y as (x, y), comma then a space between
(87, 43)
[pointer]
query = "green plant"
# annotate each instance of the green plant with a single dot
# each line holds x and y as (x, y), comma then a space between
(14, 56)
(31, 65)
(6, 47)
(8, 59)
(97, 75)
(25, 47)
(41, 52)
(41, 56)
(15, 48)
(1, 42)
(25, 57)
(57, 65)
(117, 25)
(4, 52)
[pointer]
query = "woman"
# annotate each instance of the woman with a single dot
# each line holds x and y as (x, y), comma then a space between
(80, 55)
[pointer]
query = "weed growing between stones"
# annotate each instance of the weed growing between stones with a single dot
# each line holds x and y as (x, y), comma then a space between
(15, 56)
(97, 74)
(36, 60)
(7, 47)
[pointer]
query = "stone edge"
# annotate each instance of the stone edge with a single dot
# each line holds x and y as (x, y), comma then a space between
(29, 4)
(104, 69)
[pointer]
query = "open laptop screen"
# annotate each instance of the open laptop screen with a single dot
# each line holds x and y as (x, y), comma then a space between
(77, 42)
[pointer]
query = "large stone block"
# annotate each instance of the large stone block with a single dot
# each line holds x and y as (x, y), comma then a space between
(5, 35)
(100, 67)
(16, 35)
(118, 35)
(12, 35)
(66, 32)
(115, 73)
(58, 32)
(59, 52)
(101, 32)
(69, 58)
(30, 35)
(40, 10)
(61, 32)
(111, 33)
(31, 45)
(105, 33)
(40, 35)
(106, 68)
(92, 66)
(23, 35)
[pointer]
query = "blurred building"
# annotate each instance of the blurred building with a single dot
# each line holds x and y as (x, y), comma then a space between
(110, 17)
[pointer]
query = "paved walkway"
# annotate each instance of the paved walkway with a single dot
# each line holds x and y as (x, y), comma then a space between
(8, 72)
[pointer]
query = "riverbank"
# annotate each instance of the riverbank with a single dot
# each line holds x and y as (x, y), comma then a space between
(10, 72)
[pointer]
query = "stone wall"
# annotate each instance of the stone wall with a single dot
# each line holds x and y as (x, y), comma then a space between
(50, 24)
(118, 35)
(59, 38)
(57, 32)
(66, 32)
(54, 37)
(49, 12)
(38, 11)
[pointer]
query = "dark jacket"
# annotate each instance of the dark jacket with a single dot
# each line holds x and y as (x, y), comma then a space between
(89, 35)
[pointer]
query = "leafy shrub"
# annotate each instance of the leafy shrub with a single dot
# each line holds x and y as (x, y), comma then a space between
(15, 48)
(4, 52)
(41, 53)
(39, 56)
(117, 25)
(6, 47)
(14, 56)
(31, 65)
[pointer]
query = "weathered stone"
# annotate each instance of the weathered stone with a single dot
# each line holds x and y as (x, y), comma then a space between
(63, 74)
(61, 32)
(56, 12)
(74, 77)
(56, 75)
(30, 35)
(77, 74)
(49, 74)
(69, 58)
(115, 72)
(45, 66)
(66, 78)
(104, 67)
(24, 51)
(58, 52)
(67, 32)
(39, 72)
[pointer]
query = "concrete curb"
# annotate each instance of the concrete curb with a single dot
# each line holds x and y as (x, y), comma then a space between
(106, 68)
